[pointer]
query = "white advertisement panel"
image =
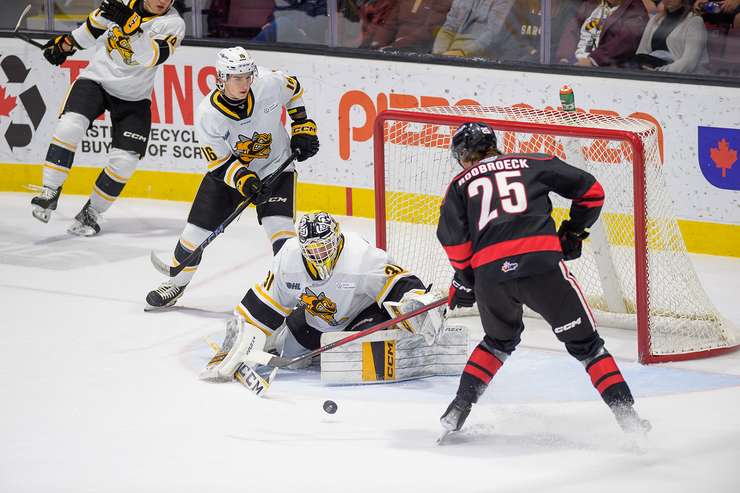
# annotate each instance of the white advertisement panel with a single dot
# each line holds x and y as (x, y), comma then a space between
(700, 125)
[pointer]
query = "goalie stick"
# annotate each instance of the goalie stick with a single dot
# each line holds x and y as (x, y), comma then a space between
(263, 358)
(23, 36)
(171, 271)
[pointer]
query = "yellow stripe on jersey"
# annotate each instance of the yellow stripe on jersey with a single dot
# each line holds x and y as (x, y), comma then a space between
(222, 107)
(389, 283)
(267, 299)
(244, 313)
(95, 23)
(297, 96)
(218, 162)
(230, 172)
(282, 234)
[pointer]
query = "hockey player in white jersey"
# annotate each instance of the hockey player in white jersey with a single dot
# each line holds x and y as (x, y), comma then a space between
(240, 131)
(323, 281)
(132, 40)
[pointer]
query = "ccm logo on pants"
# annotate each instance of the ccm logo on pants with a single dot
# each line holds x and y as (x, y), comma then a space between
(134, 136)
(567, 326)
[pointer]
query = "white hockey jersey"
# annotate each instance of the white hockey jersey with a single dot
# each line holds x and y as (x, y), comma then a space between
(126, 65)
(363, 275)
(252, 134)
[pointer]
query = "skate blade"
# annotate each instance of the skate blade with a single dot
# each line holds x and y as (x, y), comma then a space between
(79, 229)
(41, 214)
(441, 438)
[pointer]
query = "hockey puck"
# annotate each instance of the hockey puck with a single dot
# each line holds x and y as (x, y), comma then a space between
(330, 407)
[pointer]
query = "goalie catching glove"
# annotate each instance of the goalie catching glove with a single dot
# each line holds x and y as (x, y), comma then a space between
(304, 139)
(121, 14)
(427, 324)
(57, 49)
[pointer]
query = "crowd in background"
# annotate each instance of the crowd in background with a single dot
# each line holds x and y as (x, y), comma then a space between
(682, 36)
(679, 36)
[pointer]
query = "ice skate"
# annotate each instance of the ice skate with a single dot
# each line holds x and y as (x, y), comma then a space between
(45, 202)
(86, 222)
(164, 296)
(454, 417)
(635, 428)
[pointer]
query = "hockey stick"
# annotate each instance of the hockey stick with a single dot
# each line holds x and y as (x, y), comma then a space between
(22, 36)
(263, 358)
(173, 271)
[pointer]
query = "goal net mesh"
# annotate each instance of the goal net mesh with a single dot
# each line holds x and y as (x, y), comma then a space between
(417, 167)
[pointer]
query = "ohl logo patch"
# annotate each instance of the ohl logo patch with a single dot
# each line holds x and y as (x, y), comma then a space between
(718, 156)
(21, 128)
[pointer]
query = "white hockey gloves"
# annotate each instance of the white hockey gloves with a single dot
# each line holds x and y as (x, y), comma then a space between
(428, 324)
(241, 339)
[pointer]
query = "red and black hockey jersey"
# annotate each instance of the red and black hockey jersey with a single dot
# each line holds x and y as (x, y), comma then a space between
(495, 217)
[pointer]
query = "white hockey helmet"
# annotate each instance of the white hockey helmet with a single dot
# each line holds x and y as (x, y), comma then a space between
(233, 61)
(319, 237)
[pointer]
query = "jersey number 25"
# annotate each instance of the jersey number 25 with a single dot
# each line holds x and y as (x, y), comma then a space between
(512, 194)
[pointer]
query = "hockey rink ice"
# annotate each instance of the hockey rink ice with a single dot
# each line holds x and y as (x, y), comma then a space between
(99, 396)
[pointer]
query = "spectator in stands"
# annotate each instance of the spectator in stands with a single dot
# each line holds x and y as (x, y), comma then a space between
(375, 17)
(472, 28)
(520, 39)
(603, 33)
(729, 13)
(410, 25)
(674, 40)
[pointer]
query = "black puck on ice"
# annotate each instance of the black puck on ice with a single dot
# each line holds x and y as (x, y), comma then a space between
(330, 407)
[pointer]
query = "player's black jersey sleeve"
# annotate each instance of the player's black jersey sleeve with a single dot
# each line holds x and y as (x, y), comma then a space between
(453, 231)
(496, 215)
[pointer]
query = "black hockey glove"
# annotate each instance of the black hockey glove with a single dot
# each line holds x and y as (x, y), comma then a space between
(249, 185)
(571, 240)
(461, 293)
(304, 139)
(57, 49)
(128, 19)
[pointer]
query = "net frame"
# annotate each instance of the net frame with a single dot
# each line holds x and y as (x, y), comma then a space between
(443, 116)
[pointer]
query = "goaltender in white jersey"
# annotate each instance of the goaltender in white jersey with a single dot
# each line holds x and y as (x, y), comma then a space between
(132, 40)
(327, 281)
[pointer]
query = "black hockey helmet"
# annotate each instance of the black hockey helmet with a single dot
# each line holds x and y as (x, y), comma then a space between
(472, 141)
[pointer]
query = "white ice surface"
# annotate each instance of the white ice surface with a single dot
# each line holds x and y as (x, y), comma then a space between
(98, 396)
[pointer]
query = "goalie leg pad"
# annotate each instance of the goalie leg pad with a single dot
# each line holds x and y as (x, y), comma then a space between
(392, 356)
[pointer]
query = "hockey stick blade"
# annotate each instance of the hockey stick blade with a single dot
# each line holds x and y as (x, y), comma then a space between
(252, 380)
(172, 271)
(280, 362)
(22, 36)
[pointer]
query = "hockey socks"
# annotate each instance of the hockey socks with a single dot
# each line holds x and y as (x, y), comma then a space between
(608, 381)
(478, 372)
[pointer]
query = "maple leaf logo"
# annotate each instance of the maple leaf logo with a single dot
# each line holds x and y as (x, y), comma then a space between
(6, 103)
(723, 156)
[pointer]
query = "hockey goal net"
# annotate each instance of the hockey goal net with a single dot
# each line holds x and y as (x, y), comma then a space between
(635, 269)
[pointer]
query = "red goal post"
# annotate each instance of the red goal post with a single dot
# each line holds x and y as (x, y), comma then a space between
(412, 169)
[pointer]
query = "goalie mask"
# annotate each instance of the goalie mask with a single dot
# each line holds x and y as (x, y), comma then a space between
(233, 61)
(319, 237)
(472, 142)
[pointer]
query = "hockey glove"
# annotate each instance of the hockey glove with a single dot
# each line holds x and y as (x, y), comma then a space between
(461, 293)
(304, 139)
(57, 49)
(250, 185)
(121, 14)
(571, 240)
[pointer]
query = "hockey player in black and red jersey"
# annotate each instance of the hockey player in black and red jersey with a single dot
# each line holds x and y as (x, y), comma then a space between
(496, 228)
